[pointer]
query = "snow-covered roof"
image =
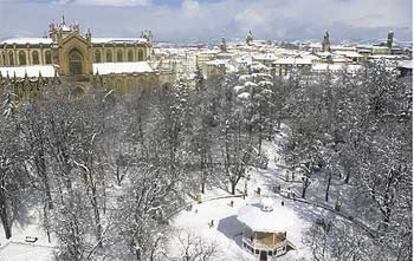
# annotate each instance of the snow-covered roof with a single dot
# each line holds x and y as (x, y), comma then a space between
(27, 41)
(384, 56)
(267, 216)
(217, 62)
(47, 71)
(118, 68)
(407, 64)
(321, 67)
(98, 40)
(315, 45)
(350, 54)
(293, 61)
(265, 56)
(256, 66)
(343, 48)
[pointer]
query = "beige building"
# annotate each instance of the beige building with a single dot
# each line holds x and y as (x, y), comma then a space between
(82, 57)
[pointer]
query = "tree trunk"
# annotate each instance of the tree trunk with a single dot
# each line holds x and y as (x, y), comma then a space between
(305, 187)
(304, 191)
(233, 188)
(41, 168)
(348, 176)
(4, 218)
(203, 186)
(328, 186)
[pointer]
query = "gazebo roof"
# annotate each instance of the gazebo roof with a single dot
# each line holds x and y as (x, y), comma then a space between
(260, 217)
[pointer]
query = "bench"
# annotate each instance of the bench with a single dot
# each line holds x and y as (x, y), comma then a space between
(30, 239)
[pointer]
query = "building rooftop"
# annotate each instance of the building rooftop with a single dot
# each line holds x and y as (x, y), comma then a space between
(267, 216)
(118, 68)
(100, 40)
(33, 40)
(47, 71)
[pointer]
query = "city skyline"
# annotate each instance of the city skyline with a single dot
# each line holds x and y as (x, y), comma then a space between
(190, 20)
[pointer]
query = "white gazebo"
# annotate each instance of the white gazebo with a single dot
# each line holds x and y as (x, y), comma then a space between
(266, 226)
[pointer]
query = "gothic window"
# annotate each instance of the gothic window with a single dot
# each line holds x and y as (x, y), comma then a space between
(130, 56)
(11, 58)
(3, 58)
(97, 56)
(35, 57)
(48, 57)
(75, 62)
(22, 58)
(119, 57)
(140, 55)
(118, 84)
(109, 56)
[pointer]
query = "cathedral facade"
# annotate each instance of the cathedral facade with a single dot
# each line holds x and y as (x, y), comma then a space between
(117, 62)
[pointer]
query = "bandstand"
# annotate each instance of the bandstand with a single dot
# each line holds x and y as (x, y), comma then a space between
(265, 228)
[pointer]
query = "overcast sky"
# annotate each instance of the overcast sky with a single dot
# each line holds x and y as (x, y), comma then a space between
(188, 20)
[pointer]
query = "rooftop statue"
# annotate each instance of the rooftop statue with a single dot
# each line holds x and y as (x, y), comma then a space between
(223, 45)
(249, 38)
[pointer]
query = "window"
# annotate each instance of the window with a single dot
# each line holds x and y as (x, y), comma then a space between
(75, 63)
(119, 55)
(22, 58)
(118, 84)
(35, 57)
(97, 56)
(11, 58)
(140, 55)
(48, 57)
(130, 56)
(109, 56)
(3, 58)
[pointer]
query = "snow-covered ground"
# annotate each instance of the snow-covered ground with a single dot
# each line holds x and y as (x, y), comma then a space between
(226, 232)
(17, 249)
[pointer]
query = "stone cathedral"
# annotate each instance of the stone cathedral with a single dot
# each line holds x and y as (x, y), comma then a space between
(67, 53)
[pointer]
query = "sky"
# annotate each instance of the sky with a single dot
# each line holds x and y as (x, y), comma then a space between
(210, 20)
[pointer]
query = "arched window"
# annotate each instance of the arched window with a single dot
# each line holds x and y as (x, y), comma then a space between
(118, 84)
(3, 58)
(22, 58)
(35, 57)
(130, 56)
(97, 56)
(140, 55)
(75, 62)
(48, 57)
(119, 55)
(108, 56)
(11, 58)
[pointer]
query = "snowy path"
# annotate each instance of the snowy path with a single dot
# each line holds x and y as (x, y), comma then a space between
(227, 229)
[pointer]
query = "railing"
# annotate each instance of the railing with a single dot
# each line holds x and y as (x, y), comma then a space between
(257, 245)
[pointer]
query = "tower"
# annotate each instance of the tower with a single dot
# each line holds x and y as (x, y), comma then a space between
(390, 39)
(249, 38)
(223, 45)
(53, 32)
(326, 43)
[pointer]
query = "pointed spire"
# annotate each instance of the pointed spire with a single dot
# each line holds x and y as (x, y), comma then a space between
(25, 73)
(63, 19)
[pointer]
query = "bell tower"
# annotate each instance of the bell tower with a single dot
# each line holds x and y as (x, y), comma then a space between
(326, 43)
